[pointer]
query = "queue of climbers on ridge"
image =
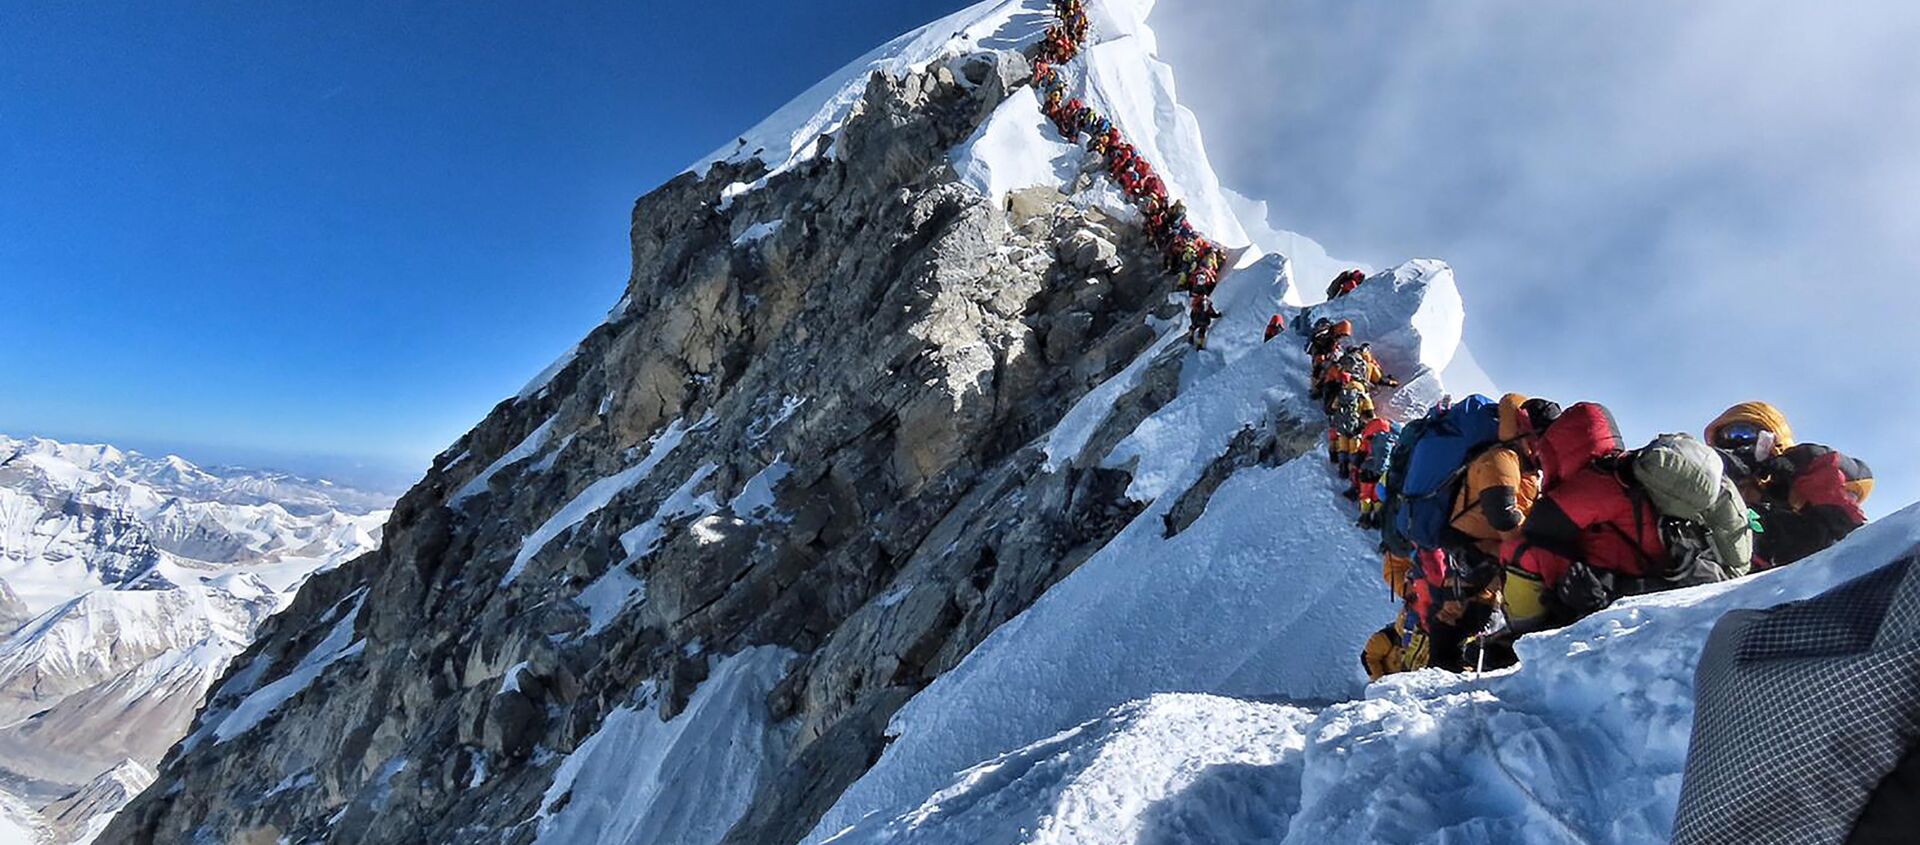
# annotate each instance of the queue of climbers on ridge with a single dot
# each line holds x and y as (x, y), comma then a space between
(1502, 517)
(1195, 261)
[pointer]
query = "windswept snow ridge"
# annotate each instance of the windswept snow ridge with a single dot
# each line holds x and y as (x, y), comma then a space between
(790, 135)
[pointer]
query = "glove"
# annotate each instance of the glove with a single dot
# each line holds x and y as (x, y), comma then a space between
(1584, 590)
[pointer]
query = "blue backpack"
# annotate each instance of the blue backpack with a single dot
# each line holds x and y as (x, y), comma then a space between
(1391, 502)
(1447, 441)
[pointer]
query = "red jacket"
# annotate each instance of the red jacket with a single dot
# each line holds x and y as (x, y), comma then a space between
(1586, 514)
(1811, 500)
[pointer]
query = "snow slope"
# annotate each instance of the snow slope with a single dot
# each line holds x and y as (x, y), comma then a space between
(685, 780)
(1112, 780)
(19, 824)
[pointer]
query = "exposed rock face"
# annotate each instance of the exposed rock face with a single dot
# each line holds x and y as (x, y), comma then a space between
(13, 611)
(809, 425)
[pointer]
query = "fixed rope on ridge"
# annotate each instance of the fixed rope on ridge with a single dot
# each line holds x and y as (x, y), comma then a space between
(1195, 260)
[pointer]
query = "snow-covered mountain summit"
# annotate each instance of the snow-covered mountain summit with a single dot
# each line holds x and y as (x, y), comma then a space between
(890, 504)
(126, 585)
(75, 516)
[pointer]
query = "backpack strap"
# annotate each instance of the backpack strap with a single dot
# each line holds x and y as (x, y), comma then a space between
(1501, 444)
(1446, 485)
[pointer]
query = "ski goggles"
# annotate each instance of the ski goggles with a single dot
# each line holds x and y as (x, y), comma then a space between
(1737, 435)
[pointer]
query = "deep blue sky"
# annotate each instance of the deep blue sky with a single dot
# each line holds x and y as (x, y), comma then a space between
(271, 232)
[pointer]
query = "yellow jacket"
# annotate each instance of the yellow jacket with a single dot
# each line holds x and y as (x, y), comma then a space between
(1500, 486)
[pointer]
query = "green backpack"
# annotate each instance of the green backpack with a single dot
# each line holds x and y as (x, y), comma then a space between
(1687, 480)
(1347, 417)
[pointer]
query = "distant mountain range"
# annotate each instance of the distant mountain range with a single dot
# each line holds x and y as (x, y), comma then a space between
(127, 583)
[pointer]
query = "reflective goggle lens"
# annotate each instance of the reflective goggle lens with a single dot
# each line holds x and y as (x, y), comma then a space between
(1737, 435)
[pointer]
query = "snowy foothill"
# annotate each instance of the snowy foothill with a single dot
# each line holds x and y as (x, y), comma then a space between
(128, 583)
(20, 824)
(89, 638)
(77, 517)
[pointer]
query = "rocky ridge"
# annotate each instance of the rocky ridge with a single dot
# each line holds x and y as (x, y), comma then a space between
(812, 424)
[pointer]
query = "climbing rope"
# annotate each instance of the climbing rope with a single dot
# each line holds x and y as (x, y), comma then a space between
(1195, 259)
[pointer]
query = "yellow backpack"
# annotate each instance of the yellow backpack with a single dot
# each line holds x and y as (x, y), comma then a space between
(1392, 650)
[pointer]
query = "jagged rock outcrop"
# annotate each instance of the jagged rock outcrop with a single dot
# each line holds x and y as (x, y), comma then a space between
(810, 426)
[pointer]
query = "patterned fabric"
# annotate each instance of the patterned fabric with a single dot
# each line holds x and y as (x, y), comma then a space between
(1801, 711)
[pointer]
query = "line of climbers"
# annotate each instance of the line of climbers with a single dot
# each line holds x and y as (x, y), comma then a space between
(1503, 517)
(1195, 261)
